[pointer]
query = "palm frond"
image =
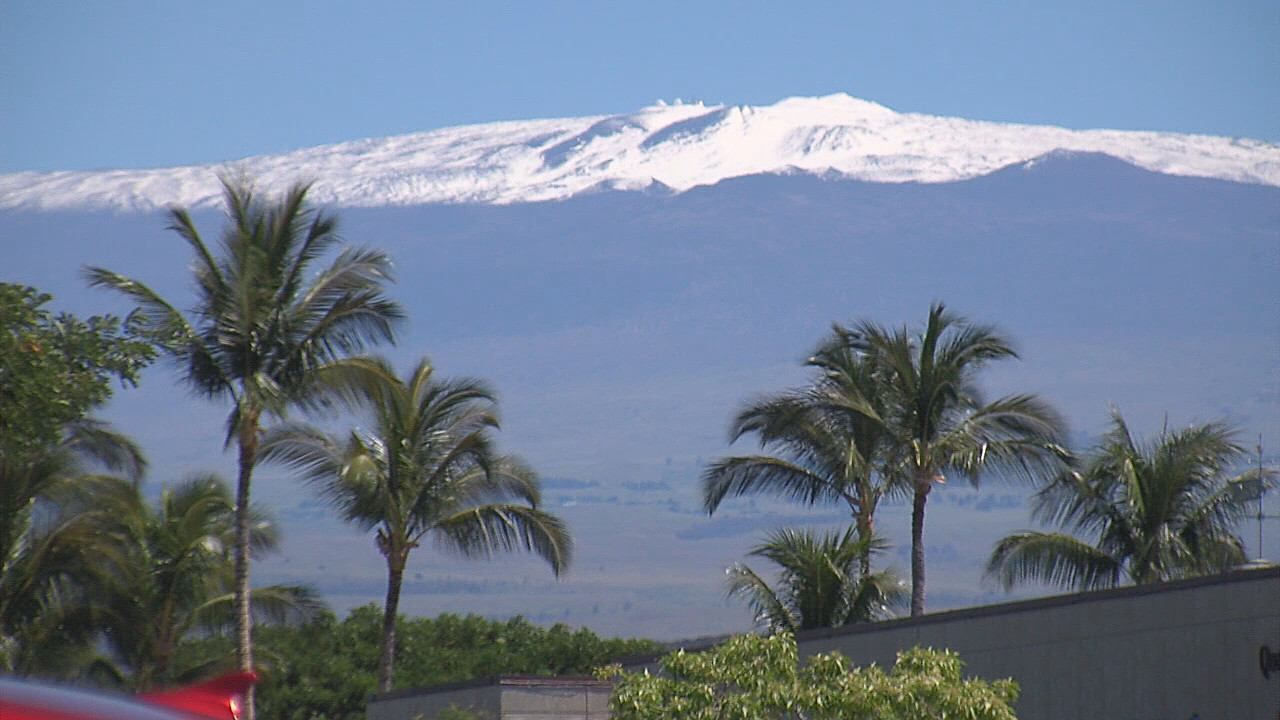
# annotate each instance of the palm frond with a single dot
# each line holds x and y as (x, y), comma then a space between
(426, 465)
(1160, 510)
(1054, 559)
(207, 273)
(748, 474)
(878, 596)
(353, 383)
(308, 451)
(97, 441)
(819, 582)
(767, 608)
(501, 528)
(272, 604)
(504, 479)
(1016, 436)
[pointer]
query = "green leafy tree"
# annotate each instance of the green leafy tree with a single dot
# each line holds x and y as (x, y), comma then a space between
(173, 574)
(426, 468)
(453, 648)
(819, 583)
(1147, 512)
(755, 678)
(55, 368)
(938, 422)
(326, 669)
(263, 320)
(825, 441)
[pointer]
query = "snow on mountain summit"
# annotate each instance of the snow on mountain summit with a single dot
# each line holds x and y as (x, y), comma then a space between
(676, 145)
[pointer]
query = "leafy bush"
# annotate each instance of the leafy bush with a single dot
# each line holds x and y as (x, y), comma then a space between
(755, 678)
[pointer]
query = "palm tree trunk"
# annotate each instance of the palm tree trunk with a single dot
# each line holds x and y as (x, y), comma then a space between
(917, 548)
(864, 525)
(248, 438)
(159, 672)
(386, 659)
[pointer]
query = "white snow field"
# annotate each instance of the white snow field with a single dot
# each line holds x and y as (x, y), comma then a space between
(679, 146)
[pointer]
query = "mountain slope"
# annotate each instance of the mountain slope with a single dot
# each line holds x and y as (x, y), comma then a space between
(674, 147)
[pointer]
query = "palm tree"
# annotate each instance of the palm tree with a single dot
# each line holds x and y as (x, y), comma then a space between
(1156, 511)
(175, 574)
(52, 548)
(261, 324)
(426, 467)
(939, 423)
(28, 476)
(826, 440)
(819, 584)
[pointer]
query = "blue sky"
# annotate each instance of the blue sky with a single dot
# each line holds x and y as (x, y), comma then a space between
(154, 83)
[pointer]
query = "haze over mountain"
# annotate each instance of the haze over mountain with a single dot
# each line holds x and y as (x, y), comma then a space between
(626, 321)
(668, 146)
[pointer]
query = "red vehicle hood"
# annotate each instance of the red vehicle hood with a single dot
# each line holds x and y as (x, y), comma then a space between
(217, 699)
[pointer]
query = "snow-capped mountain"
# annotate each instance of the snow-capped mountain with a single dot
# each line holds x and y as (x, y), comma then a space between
(625, 329)
(666, 146)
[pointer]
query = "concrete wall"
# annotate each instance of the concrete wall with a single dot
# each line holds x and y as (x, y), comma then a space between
(551, 702)
(532, 698)
(483, 701)
(1171, 652)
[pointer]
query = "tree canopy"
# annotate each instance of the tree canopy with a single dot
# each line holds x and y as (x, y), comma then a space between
(55, 367)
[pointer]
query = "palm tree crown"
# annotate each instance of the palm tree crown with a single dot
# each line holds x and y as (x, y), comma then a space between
(262, 322)
(890, 412)
(426, 467)
(1155, 511)
(174, 575)
(819, 584)
(53, 547)
(939, 423)
(825, 441)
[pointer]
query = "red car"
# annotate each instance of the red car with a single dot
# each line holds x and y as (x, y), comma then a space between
(217, 699)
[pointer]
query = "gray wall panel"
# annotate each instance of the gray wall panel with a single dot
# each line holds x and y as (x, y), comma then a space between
(1158, 653)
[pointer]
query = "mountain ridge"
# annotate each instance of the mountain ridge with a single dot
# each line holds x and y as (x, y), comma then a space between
(673, 146)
